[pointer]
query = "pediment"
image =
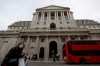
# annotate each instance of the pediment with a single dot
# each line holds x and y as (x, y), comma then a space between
(54, 7)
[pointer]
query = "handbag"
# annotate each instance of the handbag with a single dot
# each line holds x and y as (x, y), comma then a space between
(21, 62)
(12, 60)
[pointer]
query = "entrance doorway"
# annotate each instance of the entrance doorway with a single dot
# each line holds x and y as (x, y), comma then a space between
(52, 47)
(53, 26)
(41, 54)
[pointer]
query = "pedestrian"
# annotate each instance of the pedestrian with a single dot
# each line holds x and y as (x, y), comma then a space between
(58, 56)
(53, 55)
(33, 57)
(41, 56)
(12, 57)
(29, 58)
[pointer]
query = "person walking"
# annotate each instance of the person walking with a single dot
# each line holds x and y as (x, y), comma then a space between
(33, 57)
(12, 57)
(53, 55)
(41, 56)
(58, 56)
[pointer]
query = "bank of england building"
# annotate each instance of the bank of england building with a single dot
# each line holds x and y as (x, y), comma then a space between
(50, 27)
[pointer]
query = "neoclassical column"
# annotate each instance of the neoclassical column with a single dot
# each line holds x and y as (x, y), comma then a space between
(46, 49)
(41, 16)
(57, 15)
(49, 15)
(27, 44)
(68, 15)
(61, 15)
(60, 51)
(37, 47)
(36, 15)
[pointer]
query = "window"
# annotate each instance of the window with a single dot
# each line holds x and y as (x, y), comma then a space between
(82, 26)
(69, 27)
(52, 26)
(97, 25)
(67, 22)
(38, 23)
(33, 39)
(5, 41)
(17, 27)
(14, 27)
(63, 39)
(77, 21)
(37, 28)
(24, 39)
(44, 23)
(61, 27)
(72, 38)
(60, 22)
(23, 27)
(10, 27)
(27, 27)
(94, 26)
(24, 24)
(44, 28)
(42, 39)
(89, 26)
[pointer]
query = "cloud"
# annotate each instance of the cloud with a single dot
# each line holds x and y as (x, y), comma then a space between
(18, 10)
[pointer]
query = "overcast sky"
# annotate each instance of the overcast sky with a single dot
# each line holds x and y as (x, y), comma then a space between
(21, 10)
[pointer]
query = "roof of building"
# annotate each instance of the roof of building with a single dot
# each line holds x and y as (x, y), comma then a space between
(87, 22)
(20, 24)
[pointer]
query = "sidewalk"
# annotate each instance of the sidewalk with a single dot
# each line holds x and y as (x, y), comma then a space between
(47, 61)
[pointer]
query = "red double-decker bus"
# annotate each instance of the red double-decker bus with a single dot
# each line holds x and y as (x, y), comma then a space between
(82, 51)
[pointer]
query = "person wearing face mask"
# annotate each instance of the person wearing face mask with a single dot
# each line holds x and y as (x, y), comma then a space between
(12, 57)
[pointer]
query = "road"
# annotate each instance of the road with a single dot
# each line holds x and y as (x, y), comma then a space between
(57, 64)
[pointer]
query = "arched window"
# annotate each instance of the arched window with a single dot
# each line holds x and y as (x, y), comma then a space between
(52, 26)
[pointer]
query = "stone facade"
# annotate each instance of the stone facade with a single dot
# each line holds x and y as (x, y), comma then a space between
(47, 31)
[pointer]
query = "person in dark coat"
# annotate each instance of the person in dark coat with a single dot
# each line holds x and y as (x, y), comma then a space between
(33, 57)
(41, 55)
(53, 56)
(12, 57)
